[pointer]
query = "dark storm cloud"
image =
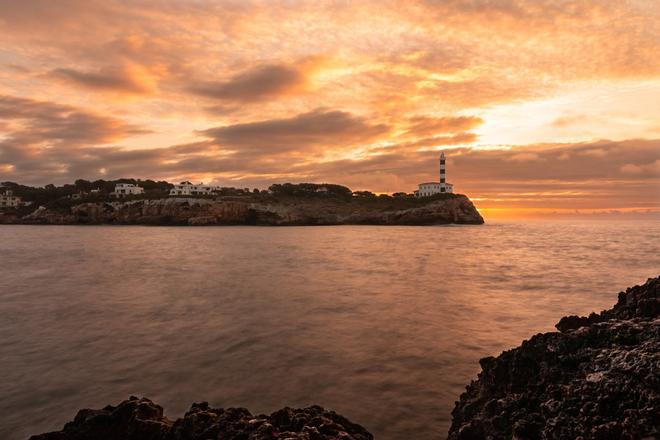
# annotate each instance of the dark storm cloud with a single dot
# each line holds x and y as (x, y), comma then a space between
(259, 83)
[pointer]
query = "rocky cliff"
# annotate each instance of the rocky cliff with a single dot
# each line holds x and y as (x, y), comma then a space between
(597, 378)
(292, 211)
(141, 419)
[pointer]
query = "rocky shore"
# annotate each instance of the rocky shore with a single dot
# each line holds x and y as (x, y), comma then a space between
(141, 419)
(236, 211)
(597, 378)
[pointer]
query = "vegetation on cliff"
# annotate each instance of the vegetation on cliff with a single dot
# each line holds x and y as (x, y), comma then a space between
(281, 204)
(100, 191)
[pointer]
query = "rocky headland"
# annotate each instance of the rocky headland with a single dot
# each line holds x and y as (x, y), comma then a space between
(597, 378)
(289, 211)
(141, 419)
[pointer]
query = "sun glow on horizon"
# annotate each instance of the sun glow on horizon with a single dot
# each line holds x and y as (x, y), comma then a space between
(535, 105)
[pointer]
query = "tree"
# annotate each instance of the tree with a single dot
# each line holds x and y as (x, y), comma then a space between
(310, 190)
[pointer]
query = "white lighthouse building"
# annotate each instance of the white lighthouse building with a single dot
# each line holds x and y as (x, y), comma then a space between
(430, 188)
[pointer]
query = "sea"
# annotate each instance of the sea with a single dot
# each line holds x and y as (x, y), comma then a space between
(382, 324)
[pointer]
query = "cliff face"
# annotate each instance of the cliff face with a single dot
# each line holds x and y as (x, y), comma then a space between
(598, 378)
(187, 211)
(141, 419)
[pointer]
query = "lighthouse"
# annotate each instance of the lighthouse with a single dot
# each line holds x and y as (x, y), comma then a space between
(431, 188)
(442, 172)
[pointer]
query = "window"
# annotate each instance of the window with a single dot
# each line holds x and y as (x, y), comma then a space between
(442, 190)
(442, 161)
(442, 180)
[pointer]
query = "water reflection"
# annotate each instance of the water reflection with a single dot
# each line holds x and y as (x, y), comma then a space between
(382, 324)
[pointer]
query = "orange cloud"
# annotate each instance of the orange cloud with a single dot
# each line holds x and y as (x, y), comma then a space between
(263, 82)
(243, 93)
(424, 125)
(302, 132)
(42, 138)
(131, 79)
(39, 122)
(566, 121)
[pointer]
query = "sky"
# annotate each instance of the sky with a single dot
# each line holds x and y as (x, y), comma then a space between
(542, 107)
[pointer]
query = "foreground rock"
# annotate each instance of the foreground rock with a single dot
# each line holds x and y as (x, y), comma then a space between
(141, 419)
(240, 211)
(598, 378)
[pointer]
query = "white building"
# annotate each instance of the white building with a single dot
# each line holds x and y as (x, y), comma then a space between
(8, 199)
(127, 189)
(430, 188)
(190, 189)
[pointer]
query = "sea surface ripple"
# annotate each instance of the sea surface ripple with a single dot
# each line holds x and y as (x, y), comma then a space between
(384, 325)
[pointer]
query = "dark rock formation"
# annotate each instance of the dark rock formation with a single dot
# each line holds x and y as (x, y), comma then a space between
(635, 302)
(292, 211)
(598, 378)
(141, 419)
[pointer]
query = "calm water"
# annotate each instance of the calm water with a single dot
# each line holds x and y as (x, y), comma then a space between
(382, 324)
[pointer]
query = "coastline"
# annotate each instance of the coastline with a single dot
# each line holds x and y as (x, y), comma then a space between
(454, 209)
(596, 378)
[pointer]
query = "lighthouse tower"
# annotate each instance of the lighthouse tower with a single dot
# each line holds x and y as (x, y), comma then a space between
(443, 177)
(431, 188)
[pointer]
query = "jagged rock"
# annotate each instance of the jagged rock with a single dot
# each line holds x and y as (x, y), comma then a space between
(599, 378)
(191, 211)
(635, 302)
(141, 419)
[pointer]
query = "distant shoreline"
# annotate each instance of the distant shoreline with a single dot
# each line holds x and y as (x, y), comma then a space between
(256, 211)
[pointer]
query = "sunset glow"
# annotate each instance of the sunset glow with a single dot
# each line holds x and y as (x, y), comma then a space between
(544, 107)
